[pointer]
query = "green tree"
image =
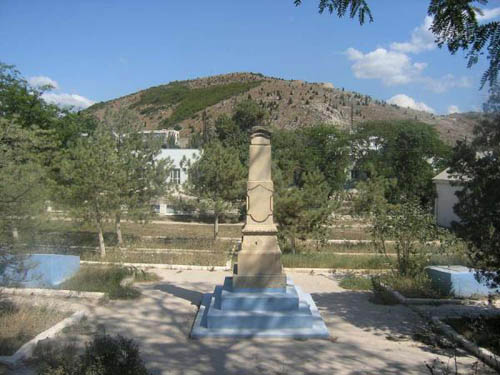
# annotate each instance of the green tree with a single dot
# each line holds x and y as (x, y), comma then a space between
(411, 227)
(23, 191)
(89, 172)
(319, 147)
(371, 195)
(218, 177)
(234, 131)
(477, 166)
(301, 212)
(140, 176)
(454, 25)
(407, 151)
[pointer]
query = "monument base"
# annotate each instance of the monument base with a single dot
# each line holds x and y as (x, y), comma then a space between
(267, 312)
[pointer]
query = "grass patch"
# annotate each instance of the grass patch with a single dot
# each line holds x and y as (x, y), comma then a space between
(67, 233)
(483, 331)
(349, 234)
(419, 286)
(188, 258)
(107, 280)
(353, 282)
(328, 260)
(21, 323)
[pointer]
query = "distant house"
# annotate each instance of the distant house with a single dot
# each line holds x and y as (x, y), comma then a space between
(181, 159)
(445, 198)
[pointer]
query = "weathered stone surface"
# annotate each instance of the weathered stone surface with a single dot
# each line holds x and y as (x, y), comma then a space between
(259, 260)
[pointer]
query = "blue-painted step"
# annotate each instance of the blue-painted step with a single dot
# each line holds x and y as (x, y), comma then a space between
(226, 299)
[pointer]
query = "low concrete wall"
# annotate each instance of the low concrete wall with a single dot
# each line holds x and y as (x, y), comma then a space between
(45, 270)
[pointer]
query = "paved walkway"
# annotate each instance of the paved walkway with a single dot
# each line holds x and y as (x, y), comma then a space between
(366, 338)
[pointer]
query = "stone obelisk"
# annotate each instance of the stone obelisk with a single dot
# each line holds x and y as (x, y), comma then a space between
(259, 259)
(259, 300)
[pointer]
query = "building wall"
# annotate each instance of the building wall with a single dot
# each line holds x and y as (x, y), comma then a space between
(445, 201)
(180, 157)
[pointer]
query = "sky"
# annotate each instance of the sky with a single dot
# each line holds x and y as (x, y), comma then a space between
(97, 50)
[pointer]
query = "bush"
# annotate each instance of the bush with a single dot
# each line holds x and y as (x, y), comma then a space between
(107, 280)
(104, 355)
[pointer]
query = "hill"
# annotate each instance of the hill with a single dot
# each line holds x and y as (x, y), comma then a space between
(291, 104)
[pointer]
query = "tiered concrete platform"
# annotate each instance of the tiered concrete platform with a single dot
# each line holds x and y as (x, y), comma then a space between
(270, 312)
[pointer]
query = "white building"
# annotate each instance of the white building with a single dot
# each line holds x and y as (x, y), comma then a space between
(181, 160)
(445, 199)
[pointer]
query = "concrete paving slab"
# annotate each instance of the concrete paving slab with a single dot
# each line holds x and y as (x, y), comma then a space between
(366, 338)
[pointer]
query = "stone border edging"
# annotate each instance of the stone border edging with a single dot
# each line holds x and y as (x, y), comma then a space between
(365, 271)
(160, 266)
(52, 293)
(26, 350)
(483, 354)
(228, 267)
(421, 301)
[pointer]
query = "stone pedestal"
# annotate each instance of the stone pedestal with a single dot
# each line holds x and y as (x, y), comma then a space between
(270, 312)
(259, 300)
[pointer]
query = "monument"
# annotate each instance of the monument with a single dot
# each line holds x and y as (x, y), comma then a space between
(259, 299)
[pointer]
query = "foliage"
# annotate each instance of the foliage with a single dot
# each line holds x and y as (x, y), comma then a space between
(477, 167)
(408, 152)
(104, 355)
(188, 101)
(295, 152)
(353, 282)
(371, 194)
(454, 24)
(411, 227)
(23, 103)
(23, 191)
(140, 177)
(233, 132)
(302, 211)
(89, 172)
(107, 280)
(415, 286)
(218, 177)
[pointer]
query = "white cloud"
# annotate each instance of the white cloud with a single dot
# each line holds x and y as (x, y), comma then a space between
(453, 109)
(406, 101)
(391, 67)
(67, 100)
(446, 82)
(394, 66)
(488, 14)
(422, 39)
(39, 81)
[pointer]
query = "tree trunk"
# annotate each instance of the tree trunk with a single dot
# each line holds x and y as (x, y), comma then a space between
(102, 248)
(292, 242)
(216, 226)
(15, 233)
(118, 229)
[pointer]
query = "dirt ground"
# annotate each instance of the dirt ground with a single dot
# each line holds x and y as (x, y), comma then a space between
(366, 338)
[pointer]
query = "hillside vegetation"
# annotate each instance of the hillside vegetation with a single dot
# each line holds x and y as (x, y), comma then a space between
(291, 104)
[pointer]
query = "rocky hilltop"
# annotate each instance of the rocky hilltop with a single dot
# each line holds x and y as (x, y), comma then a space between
(291, 104)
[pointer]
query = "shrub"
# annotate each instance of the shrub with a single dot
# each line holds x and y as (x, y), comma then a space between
(104, 355)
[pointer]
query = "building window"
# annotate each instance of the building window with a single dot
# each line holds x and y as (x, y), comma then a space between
(175, 176)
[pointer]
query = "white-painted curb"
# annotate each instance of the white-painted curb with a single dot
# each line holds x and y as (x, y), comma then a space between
(26, 350)
(159, 266)
(52, 293)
